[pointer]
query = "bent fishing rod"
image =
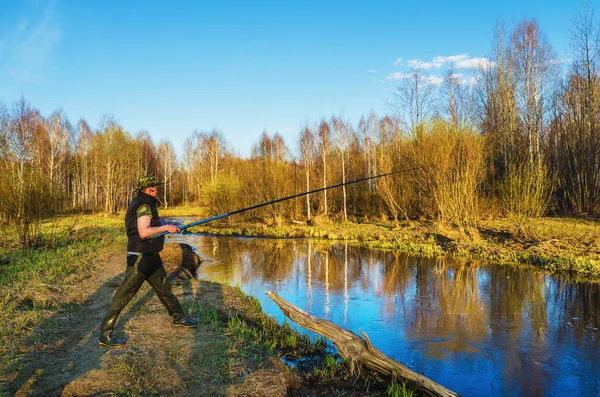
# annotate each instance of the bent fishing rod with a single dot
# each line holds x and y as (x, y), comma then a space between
(216, 217)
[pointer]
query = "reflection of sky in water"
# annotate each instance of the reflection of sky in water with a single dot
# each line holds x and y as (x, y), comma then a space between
(477, 329)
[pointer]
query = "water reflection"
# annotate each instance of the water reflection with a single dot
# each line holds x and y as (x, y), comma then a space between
(477, 329)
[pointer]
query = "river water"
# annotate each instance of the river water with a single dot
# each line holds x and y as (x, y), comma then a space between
(478, 329)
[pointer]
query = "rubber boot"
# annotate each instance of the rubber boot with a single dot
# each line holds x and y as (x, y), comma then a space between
(106, 338)
(129, 287)
(179, 320)
(158, 281)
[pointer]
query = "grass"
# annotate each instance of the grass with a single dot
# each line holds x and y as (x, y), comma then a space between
(137, 373)
(262, 330)
(560, 245)
(31, 279)
(194, 211)
(399, 390)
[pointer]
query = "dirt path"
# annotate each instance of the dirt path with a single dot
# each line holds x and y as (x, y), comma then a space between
(158, 358)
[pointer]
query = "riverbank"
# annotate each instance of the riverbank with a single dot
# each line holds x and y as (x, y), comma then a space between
(566, 246)
(53, 297)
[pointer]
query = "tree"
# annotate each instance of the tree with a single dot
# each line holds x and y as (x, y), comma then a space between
(575, 139)
(414, 99)
(20, 203)
(324, 133)
(270, 156)
(342, 135)
(214, 149)
(168, 165)
(83, 183)
(306, 147)
(498, 110)
(535, 70)
(368, 140)
(60, 135)
(457, 99)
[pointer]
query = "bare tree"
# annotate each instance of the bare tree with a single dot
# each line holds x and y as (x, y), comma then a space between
(575, 140)
(324, 133)
(306, 147)
(368, 138)
(535, 68)
(215, 148)
(59, 139)
(81, 161)
(497, 103)
(270, 180)
(168, 165)
(414, 99)
(342, 135)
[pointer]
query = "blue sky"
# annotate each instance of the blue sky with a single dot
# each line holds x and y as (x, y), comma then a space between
(242, 66)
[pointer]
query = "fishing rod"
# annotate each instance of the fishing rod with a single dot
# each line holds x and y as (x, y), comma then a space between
(216, 217)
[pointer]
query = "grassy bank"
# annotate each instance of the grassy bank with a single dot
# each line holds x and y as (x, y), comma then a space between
(52, 297)
(560, 245)
(34, 281)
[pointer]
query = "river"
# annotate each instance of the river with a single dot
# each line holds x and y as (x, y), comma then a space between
(478, 329)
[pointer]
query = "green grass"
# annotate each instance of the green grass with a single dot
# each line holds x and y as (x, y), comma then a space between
(32, 279)
(260, 329)
(399, 390)
(63, 252)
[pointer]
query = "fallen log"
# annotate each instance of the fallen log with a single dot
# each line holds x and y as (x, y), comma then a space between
(358, 350)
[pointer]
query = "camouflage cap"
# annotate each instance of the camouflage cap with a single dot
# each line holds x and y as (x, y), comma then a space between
(146, 182)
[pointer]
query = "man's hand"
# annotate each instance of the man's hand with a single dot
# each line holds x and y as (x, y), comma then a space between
(172, 228)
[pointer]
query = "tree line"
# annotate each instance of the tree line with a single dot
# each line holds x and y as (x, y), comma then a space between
(522, 140)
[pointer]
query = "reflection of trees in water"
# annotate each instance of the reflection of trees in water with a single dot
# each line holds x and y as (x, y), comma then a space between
(270, 260)
(575, 312)
(447, 308)
(518, 327)
(518, 321)
(573, 302)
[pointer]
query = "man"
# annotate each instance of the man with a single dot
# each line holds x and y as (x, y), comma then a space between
(143, 261)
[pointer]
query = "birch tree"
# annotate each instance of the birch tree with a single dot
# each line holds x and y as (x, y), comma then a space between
(324, 135)
(306, 147)
(414, 99)
(535, 68)
(168, 165)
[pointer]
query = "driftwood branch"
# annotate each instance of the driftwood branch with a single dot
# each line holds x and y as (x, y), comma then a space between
(358, 350)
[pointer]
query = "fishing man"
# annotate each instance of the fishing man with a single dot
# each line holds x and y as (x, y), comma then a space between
(143, 261)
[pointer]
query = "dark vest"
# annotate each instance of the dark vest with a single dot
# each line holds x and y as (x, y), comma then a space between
(135, 243)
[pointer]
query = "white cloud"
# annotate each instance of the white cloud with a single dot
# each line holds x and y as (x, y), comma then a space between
(460, 61)
(418, 64)
(27, 48)
(398, 61)
(372, 71)
(452, 58)
(472, 81)
(433, 80)
(473, 63)
(396, 76)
